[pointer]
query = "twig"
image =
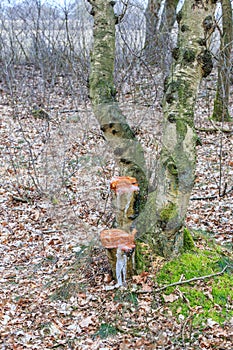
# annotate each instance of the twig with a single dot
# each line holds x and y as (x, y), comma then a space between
(20, 199)
(188, 281)
(122, 15)
(227, 131)
(221, 195)
(217, 127)
(193, 279)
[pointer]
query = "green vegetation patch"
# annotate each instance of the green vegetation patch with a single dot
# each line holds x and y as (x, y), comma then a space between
(188, 240)
(169, 212)
(206, 299)
(106, 330)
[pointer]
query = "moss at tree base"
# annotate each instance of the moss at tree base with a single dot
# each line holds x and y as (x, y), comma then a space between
(188, 240)
(203, 301)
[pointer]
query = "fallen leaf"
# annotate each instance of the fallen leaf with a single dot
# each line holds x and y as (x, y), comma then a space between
(170, 298)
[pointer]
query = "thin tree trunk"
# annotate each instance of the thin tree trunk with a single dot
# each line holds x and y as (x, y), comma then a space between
(152, 21)
(169, 15)
(164, 215)
(221, 102)
(166, 25)
(159, 23)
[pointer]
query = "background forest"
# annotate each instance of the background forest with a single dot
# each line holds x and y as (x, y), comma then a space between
(55, 198)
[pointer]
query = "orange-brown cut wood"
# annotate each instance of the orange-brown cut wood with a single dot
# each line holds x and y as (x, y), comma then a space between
(122, 184)
(116, 238)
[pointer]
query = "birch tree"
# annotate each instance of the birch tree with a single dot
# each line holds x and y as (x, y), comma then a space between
(162, 219)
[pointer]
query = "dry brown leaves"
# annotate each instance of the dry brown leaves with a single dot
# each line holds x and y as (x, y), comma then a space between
(54, 201)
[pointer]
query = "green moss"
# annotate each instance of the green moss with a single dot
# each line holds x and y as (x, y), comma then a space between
(188, 240)
(65, 292)
(222, 289)
(169, 212)
(106, 330)
(189, 55)
(188, 264)
(181, 128)
(127, 297)
(211, 297)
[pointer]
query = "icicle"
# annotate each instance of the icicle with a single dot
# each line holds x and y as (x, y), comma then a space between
(129, 197)
(121, 266)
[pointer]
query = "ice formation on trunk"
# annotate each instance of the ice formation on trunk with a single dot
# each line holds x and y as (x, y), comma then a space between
(121, 267)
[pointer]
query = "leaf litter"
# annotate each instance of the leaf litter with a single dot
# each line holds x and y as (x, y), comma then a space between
(55, 200)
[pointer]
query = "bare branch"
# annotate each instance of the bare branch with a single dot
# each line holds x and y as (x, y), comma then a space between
(194, 279)
(201, 278)
(122, 15)
(221, 195)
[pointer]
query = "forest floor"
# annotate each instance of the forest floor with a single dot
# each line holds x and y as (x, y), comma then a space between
(54, 201)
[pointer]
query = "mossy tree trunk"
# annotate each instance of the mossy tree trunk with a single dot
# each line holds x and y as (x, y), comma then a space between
(221, 102)
(117, 132)
(163, 218)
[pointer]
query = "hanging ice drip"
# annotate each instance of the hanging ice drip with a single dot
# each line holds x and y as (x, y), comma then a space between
(120, 246)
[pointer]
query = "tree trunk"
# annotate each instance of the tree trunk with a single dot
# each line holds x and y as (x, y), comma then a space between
(163, 217)
(152, 21)
(169, 15)
(166, 25)
(164, 214)
(221, 102)
(159, 23)
(117, 132)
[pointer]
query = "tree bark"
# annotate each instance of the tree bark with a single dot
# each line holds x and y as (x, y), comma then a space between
(113, 124)
(152, 21)
(164, 214)
(221, 102)
(169, 15)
